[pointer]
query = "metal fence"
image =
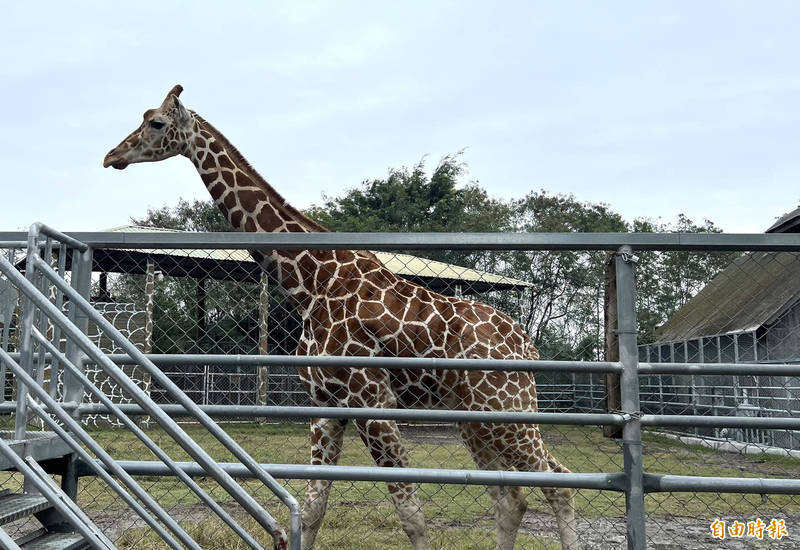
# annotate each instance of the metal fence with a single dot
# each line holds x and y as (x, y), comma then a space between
(223, 332)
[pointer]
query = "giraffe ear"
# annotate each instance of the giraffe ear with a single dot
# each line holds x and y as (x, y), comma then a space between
(181, 113)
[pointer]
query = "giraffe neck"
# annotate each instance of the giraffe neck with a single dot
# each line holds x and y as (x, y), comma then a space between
(251, 204)
(245, 198)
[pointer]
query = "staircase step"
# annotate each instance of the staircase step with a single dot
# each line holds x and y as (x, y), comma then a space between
(17, 506)
(56, 541)
(38, 444)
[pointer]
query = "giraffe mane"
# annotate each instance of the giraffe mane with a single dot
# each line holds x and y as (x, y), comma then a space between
(239, 159)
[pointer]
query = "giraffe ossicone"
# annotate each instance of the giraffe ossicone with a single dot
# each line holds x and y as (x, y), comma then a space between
(352, 305)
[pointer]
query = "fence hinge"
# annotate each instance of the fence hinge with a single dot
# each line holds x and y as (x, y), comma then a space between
(628, 257)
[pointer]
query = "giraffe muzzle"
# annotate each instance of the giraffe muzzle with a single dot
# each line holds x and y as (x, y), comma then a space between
(114, 160)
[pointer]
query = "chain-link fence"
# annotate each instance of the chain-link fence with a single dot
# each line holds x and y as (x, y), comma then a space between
(191, 308)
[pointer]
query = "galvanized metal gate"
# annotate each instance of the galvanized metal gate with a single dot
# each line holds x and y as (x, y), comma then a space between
(633, 480)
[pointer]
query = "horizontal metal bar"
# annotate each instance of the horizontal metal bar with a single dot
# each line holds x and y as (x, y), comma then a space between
(329, 361)
(645, 369)
(765, 423)
(420, 415)
(439, 241)
(737, 369)
(423, 415)
(23, 245)
(653, 483)
(662, 483)
(373, 473)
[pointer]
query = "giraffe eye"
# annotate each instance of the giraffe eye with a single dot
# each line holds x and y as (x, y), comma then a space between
(156, 124)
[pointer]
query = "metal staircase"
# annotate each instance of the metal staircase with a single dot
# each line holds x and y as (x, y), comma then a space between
(39, 454)
(63, 525)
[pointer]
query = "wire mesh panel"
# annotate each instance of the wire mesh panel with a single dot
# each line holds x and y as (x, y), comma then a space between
(747, 313)
(193, 306)
(219, 302)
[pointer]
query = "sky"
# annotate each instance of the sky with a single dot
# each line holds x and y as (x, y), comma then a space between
(654, 108)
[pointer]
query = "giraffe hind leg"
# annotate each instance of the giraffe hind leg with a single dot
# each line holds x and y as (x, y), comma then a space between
(327, 437)
(510, 505)
(510, 502)
(382, 438)
(562, 501)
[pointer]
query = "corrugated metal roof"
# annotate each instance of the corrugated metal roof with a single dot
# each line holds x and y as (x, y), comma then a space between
(788, 223)
(754, 290)
(401, 264)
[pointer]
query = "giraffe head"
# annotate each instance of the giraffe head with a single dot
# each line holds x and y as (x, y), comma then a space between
(164, 132)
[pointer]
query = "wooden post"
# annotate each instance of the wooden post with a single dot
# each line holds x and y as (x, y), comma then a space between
(149, 292)
(147, 345)
(200, 335)
(613, 397)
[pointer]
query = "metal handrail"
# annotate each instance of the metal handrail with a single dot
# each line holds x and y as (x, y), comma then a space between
(170, 426)
(53, 407)
(56, 499)
(35, 266)
(7, 542)
(149, 443)
(28, 384)
(39, 228)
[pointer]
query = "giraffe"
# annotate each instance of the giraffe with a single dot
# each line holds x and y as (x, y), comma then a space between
(350, 304)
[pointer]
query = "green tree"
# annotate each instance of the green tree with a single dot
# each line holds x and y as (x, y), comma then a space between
(667, 280)
(563, 309)
(410, 200)
(186, 216)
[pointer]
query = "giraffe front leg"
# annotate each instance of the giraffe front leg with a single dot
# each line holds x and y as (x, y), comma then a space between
(562, 501)
(510, 505)
(327, 436)
(382, 438)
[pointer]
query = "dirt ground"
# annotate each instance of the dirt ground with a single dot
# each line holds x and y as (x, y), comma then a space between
(595, 534)
(663, 533)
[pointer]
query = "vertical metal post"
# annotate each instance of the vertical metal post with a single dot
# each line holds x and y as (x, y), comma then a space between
(81, 282)
(629, 386)
(613, 401)
(25, 340)
(69, 476)
(755, 348)
(44, 288)
(73, 389)
(4, 343)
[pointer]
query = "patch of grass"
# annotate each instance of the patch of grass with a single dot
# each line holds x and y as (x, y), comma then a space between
(345, 529)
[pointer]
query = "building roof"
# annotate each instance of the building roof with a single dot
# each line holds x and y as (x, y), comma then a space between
(239, 265)
(754, 290)
(788, 223)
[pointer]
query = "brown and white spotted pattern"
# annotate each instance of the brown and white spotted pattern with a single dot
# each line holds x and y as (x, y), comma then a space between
(351, 305)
